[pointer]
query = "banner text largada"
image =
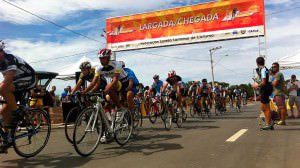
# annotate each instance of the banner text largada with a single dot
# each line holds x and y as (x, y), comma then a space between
(180, 21)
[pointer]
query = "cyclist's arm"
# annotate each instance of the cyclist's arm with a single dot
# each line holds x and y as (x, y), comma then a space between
(130, 85)
(164, 87)
(8, 79)
(92, 84)
(79, 83)
(97, 85)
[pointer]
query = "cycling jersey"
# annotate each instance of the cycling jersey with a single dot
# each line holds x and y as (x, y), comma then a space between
(90, 78)
(25, 78)
(109, 71)
(157, 85)
(174, 80)
(204, 89)
(14, 63)
(25, 74)
(193, 89)
(131, 75)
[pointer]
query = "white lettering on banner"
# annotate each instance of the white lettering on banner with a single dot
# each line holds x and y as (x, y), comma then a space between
(180, 21)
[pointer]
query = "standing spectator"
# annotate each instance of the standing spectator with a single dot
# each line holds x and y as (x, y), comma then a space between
(294, 97)
(279, 92)
(265, 88)
(64, 95)
(244, 96)
(52, 93)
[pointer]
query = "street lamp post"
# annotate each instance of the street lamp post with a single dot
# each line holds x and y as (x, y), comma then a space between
(212, 63)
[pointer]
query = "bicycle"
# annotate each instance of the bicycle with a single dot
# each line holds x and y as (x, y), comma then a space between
(31, 124)
(171, 113)
(137, 115)
(94, 120)
(194, 108)
(73, 114)
(218, 105)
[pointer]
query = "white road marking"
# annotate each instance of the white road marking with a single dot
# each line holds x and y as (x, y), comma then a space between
(234, 137)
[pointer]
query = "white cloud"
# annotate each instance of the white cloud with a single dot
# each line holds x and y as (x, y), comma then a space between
(56, 9)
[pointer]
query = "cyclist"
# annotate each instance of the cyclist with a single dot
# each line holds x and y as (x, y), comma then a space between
(87, 75)
(19, 77)
(204, 91)
(157, 85)
(194, 93)
(224, 93)
(238, 95)
(119, 82)
(217, 96)
(175, 82)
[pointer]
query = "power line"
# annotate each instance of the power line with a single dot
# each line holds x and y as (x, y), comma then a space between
(78, 54)
(49, 21)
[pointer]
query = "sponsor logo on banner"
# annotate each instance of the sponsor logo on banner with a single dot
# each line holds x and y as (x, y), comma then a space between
(243, 31)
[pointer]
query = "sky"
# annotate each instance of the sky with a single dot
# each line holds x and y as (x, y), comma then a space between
(36, 41)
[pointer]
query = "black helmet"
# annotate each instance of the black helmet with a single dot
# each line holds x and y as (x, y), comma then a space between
(204, 80)
(85, 65)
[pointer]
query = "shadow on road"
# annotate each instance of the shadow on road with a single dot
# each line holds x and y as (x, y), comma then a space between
(53, 160)
(146, 144)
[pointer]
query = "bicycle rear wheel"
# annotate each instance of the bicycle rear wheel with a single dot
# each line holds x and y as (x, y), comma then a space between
(137, 117)
(33, 133)
(123, 129)
(153, 113)
(167, 119)
(87, 132)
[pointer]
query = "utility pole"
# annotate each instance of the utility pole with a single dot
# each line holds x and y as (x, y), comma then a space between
(212, 63)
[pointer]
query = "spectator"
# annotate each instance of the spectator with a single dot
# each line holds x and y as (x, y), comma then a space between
(37, 95)
(64, 95)
(265, 88)
(52, 93)
(279, 92)
(294, 95)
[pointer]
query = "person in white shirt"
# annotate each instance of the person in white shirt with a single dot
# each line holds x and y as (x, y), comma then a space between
(294, 95)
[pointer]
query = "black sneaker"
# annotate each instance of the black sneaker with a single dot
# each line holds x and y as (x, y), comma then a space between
(267, 127)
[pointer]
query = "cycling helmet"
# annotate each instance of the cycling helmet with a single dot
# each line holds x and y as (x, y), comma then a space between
(85, 65)
(156, 76)
(204, 80)
(104, 53)
(2, 46)
(171, 73)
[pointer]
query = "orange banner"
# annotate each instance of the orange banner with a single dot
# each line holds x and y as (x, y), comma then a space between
(222, 20)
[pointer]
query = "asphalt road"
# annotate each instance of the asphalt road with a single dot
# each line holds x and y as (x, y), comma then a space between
(200, 143)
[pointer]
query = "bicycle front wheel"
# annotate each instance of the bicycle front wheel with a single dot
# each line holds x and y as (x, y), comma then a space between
(123, 129)
(69, 124)
(33, 133)
(87, 132)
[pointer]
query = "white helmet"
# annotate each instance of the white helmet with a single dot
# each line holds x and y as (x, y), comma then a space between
(2, 46)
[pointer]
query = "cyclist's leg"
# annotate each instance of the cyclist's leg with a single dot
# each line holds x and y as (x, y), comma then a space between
(8, 95)
(113, 93)
(179, 95)
(130, 96)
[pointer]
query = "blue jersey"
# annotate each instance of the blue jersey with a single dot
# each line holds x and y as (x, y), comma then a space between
(131, 75)
(157, 86)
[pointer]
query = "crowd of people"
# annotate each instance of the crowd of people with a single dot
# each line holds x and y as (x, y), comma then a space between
(274, 89)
